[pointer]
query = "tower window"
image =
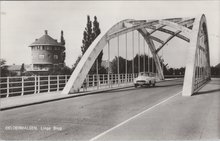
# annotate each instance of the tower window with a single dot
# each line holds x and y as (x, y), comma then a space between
(41, 56)
(49, 48)
(56, 57)
(57, 48)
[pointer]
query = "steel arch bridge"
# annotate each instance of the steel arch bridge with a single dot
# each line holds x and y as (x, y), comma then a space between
(192, 30)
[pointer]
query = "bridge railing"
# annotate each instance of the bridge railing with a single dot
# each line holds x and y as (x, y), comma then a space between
(104, 80)
(25, 85)
(173, 76)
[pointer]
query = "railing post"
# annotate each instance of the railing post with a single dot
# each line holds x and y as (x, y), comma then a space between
(38, 84)
(127, 78)
(119, 75)
(116, 78)
(130, 78)
(97, 78)
(87, 82)
(111, 80)
(8, 85)
(103, 79)
(22, 85)
(35, 84)
(48, 83)
(108, 80)
(65, 79)
(93, 80)
(58, 84)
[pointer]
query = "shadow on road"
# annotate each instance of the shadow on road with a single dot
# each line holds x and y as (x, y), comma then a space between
(214, 86)
(169, 85)
(206, 92)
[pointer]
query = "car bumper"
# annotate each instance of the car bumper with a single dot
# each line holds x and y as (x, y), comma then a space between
(142, 83)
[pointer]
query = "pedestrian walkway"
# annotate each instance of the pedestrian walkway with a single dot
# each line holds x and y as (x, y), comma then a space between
(19, 101)
(180, 118)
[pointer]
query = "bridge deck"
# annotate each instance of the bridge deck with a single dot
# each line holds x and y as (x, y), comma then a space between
(86, 117)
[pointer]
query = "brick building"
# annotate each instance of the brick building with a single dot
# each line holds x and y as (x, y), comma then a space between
(47, 53)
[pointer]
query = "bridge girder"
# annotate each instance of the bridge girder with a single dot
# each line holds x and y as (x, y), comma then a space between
(135, 25)
(151, 45)
(168, 39)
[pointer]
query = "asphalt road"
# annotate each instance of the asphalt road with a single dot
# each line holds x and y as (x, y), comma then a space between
(124, 114)
(81, 118)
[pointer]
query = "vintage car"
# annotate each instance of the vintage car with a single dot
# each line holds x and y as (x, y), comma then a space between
(145, 79)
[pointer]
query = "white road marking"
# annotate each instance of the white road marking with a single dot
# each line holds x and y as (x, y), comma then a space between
(135, 116)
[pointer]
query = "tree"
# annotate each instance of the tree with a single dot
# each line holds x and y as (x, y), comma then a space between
(60, 70)
(22, 70)
(4, 72)
(76, 63)
(87, 36)
(4, 69)
(87, 40)
(92, 30)
(95, 32)
(114, 65)
(215, 70)
(62, 42)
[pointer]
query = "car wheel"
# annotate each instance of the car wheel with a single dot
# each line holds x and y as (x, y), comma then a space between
(153, 84)
(135, 85)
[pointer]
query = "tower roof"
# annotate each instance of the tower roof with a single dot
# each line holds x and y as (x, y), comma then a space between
(46, 40)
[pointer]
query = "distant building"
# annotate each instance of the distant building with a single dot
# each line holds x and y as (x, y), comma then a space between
(47, 53)
(16, 69)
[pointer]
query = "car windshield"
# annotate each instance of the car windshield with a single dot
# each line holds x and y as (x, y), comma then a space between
(143, 74)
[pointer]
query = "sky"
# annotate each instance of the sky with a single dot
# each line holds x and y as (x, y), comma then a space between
(24, 21)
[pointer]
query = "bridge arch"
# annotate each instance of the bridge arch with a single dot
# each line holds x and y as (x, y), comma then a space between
(198, 61)
(186, 29)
